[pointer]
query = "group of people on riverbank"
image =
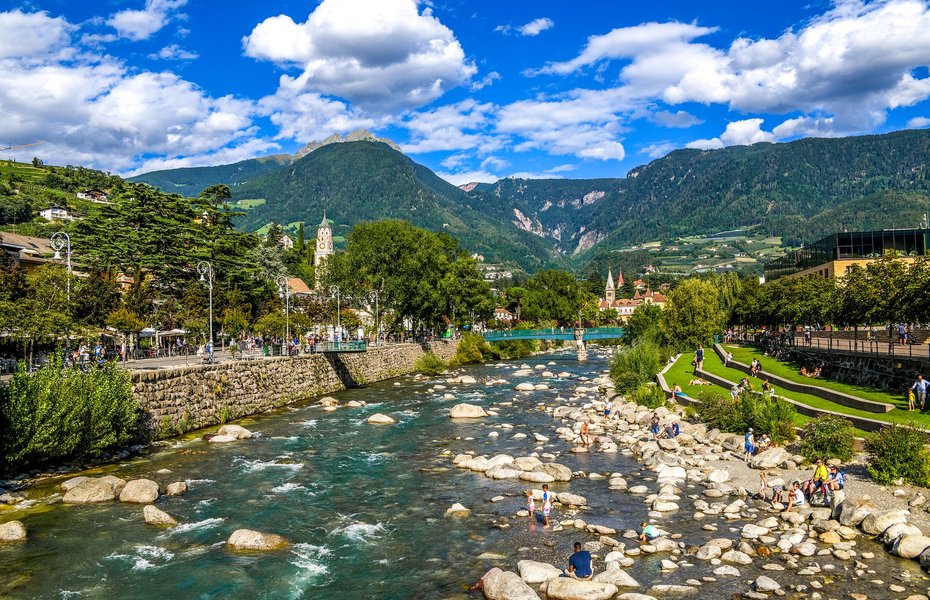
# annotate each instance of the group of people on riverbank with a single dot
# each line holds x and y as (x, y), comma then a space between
(824, 481)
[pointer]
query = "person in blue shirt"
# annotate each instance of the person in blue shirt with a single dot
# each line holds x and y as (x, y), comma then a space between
(580, 564)
(920, 390)
(749, 446)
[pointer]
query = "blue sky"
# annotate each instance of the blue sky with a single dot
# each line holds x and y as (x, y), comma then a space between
(476, 90)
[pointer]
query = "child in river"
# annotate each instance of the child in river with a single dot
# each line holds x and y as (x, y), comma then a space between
(530, 503)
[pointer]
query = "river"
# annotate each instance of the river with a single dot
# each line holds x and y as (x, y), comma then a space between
(362, 505)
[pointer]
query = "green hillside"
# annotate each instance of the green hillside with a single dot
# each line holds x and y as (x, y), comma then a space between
(191, 181)
(366, 181)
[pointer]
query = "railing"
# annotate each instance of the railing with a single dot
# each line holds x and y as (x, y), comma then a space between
(561, 333)
(867, 346)
(357, 346)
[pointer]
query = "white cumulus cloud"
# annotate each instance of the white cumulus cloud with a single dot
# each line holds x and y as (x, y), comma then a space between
(142, 24)
(918, 123)
(382, 55)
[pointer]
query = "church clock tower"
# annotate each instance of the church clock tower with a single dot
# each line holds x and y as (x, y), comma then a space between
(324, 248)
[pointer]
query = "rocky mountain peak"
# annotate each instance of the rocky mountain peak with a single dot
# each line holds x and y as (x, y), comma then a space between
(359, 135)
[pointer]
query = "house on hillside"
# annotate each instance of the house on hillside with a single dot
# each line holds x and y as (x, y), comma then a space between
(94, 195)
(56, 213)
(502, 315)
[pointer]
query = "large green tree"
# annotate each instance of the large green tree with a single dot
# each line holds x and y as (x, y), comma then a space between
(552, 295)
(692, 315)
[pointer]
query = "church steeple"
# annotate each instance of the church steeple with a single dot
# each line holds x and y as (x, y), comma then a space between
(610, 292)
(324, 248)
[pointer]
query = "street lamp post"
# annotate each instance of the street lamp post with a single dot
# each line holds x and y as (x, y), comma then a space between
(335, 291)
(285, 290)
(375, 295)
(206, 274)
(62, 241)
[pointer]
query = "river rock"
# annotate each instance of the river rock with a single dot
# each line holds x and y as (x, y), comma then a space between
(672, 591)
(536, 477)
(95, 489)
(467, 379)
(457, 510)
(765, 584)
(328, 402)
(248, 539)
(12, 531)
(70, 483)
(534, 572)
(381, 419)
(877, 522)
(525, 387)
(176, 489)
(237, 431)
(853, 511)
(753, 532)
(726, 571)
(557, 471)
(718, 476)
(736, 557)
(566, 588)
(140, 491)
(506, 585)
(467, 411)
(708, 552)
(572, 499)
(527, 463)
(614, 575)
(160, 518)
(769, 459)
(910, 545)
(221, 439)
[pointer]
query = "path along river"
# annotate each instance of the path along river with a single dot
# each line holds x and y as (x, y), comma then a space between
(362, 504)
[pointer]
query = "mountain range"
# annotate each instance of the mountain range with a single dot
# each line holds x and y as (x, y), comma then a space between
(797, 190)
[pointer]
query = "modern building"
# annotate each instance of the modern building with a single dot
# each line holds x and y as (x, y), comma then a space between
(56, 213)
(834, 254)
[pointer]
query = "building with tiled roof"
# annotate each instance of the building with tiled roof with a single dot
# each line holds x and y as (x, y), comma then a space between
(626, 306)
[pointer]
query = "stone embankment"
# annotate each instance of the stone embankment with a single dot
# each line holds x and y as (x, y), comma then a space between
(693, 481)
(188, 398)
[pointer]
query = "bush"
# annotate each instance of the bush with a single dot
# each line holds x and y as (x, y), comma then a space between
(516, 348)
(473, 349)
(649, 395)
(634, 366)
(764, 414)
(899, 452)
(429, 364)
(59, 414)
(827, 436)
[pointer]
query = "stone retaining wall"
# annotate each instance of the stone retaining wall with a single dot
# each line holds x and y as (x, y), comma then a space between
(895, 374)
(187, 398)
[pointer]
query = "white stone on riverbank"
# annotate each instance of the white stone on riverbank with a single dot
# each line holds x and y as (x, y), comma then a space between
(457, 510)
(159, 518)
(534, 572)
(381, 419)
(140, 491)
(565, 588)
(236, 431)
(95, 489)
(176, 489)
(506, 585)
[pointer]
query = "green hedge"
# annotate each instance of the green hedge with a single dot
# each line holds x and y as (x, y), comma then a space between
(828, 436)
(763, 413)
(899, 452)
(61, 414)
(635, 366)
(430, 364)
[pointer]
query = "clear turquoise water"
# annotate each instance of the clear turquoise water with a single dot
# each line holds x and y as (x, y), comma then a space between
(362, 504)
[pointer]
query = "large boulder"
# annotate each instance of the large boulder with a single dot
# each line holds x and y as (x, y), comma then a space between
(571, 499)
(718, 476)
(159, 518)
(140, 491)
(380, 419)
(566, 588)
(250, 540)
(878, 522)
(765, 584)
(176, 489)
(467, 411)
(70, 483)
(910, 545)
(506, 585)
(534, 572)
(614, 575)
(536, 477)
(525, 387)
(769, 459)
(12, 531)
(95, 489)
(457, 510)
(220, 439)
(557, 471)
(237, 431)
(853, 512)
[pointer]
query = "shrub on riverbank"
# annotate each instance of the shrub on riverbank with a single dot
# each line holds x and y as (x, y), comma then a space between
(899, 452)
(637, 365)
(59, 414)
(649, 395)
(429, 364)
(827, 436)
(473, 348)
(764, 414)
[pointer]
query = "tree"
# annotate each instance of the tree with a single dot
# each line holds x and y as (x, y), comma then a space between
(235, 321)
(644, 324)
(126, 322)
(692, 315)
(552, 295)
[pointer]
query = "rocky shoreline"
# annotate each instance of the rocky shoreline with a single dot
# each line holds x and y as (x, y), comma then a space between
(698, 476)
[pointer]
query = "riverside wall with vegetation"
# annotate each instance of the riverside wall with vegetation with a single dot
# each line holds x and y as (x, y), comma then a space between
(178, 400)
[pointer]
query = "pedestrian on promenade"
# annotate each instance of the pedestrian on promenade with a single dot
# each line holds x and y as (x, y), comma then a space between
(749, 445)
(699, 357)
(920, 390)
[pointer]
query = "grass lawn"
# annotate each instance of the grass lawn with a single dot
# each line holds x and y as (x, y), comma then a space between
(713, 364)
(792, 372)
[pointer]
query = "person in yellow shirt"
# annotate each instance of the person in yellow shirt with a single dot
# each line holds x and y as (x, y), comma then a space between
(820, 476)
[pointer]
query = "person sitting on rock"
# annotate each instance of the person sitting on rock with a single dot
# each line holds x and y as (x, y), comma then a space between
(795, 497)
(654, 428)
(580, 564)
(583, 432)
(817, 479)
(649, 532)
(764, 443)
(835, 481)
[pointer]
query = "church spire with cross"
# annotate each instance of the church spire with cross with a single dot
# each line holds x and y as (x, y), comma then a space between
(324, 249)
